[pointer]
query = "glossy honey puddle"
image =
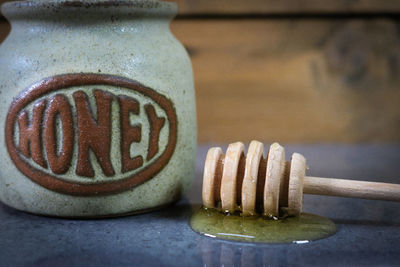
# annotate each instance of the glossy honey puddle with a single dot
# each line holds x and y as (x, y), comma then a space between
(302, 229)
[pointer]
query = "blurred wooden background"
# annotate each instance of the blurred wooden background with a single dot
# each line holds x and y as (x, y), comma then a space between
(291, 71)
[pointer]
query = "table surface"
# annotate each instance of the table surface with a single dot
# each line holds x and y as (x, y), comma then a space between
(368, 232)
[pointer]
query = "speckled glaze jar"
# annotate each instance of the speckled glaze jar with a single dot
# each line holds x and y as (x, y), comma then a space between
(97, 108)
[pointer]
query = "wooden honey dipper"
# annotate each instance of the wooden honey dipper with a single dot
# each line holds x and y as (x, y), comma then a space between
(252, 181)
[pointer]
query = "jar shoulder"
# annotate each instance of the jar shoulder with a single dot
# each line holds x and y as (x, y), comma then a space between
(118, 53)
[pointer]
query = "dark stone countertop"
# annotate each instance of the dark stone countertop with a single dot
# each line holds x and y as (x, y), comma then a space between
(368, 232)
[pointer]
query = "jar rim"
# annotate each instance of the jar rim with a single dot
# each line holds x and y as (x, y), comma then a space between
(148, 7)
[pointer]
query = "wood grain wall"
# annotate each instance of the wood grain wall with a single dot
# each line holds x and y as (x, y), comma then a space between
(293, 71)
(285, 7)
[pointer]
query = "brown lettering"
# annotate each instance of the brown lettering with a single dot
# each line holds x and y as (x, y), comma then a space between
(92, 134)
(129, 133)
(30, 143)
(156, 124)
(59, 106)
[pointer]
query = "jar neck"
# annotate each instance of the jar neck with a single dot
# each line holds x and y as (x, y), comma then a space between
(89, 10)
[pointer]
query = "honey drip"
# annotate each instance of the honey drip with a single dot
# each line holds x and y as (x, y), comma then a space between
(300, 229)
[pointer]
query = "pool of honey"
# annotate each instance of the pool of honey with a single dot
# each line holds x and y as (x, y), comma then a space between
(301, 229)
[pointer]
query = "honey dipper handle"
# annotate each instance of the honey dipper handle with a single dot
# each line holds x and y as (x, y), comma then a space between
(351, 188)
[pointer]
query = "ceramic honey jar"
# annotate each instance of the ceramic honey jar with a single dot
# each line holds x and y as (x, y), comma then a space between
(97, 108)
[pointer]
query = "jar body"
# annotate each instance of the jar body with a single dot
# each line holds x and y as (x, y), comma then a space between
(98, 112)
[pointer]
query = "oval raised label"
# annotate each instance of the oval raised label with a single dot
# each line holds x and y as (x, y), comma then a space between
(90, 134)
